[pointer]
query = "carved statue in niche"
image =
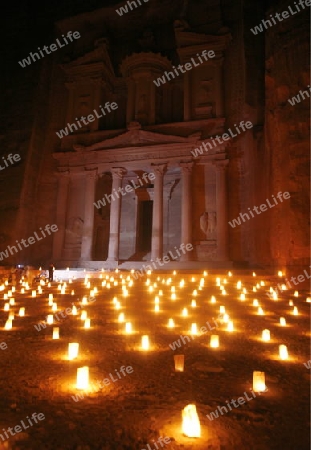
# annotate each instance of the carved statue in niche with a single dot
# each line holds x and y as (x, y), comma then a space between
(146, 41)
(208, 223)
(83, 110)
(74, 233)
(142, 114)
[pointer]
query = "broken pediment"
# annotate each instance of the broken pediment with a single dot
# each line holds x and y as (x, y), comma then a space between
(97, 59)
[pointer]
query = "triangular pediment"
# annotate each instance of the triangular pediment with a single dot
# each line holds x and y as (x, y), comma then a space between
(98, 57)
(136, 138)
(186, 38)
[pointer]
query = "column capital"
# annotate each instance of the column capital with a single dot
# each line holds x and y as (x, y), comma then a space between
(186, 167)
(221, 165)
(91, 173)
(159, 169)
(218, 62)
(118, 172)
(62, 175)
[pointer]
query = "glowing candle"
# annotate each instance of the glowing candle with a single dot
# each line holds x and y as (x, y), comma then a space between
(6, 306)
(179, 361)
(84, 301)
(255, 302)
(121, 318)
(128, 327)
(259, 382)
(190, 422)
(266, 335)
(173, 296)
(83, 315)
(87, 323)
(194, 329)
(213, 299)
(5, 296)
(55, 333)
(74, 311)
(214, 341)
(222, 309)
(8, 325)
(282, 321)
(11, 316)
(33, 294)
(226, 318)
(193, 303)
(145, 342)
(291, 303)
(54, 307)
(239, 285)
(295, 311)
(12, 301)
(260, 311)
(21, 312)
(83, 377)
(73, 350)
(50, 296)
(296, 294)
(280, 273)
(242, 297)
(156, 300)
(230, 326)
(50, 319)
(171, 323)
(185, 312)
(283, 352)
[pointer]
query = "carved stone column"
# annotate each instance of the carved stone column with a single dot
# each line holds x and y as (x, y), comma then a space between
(130, 109)
(222, 213)
(187, 97)
(115, 213)
(88, 227)
(186, 210)
(157, 216)
(219, 88)
(61, 210)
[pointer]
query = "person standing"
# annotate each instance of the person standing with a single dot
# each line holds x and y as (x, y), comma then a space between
(51, 272)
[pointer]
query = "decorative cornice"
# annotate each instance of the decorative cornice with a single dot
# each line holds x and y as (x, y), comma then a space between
(152, 63)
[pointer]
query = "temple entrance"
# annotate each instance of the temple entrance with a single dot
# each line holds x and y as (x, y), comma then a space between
(144, 232)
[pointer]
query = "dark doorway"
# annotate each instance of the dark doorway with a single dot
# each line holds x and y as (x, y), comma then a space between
(144, 226)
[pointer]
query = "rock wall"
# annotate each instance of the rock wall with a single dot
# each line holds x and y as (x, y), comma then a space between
(287, 131)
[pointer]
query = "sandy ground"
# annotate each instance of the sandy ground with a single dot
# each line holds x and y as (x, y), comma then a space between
(133, 411)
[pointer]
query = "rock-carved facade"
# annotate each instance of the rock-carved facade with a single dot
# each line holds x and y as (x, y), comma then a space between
(164, 125)
(154, 130)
